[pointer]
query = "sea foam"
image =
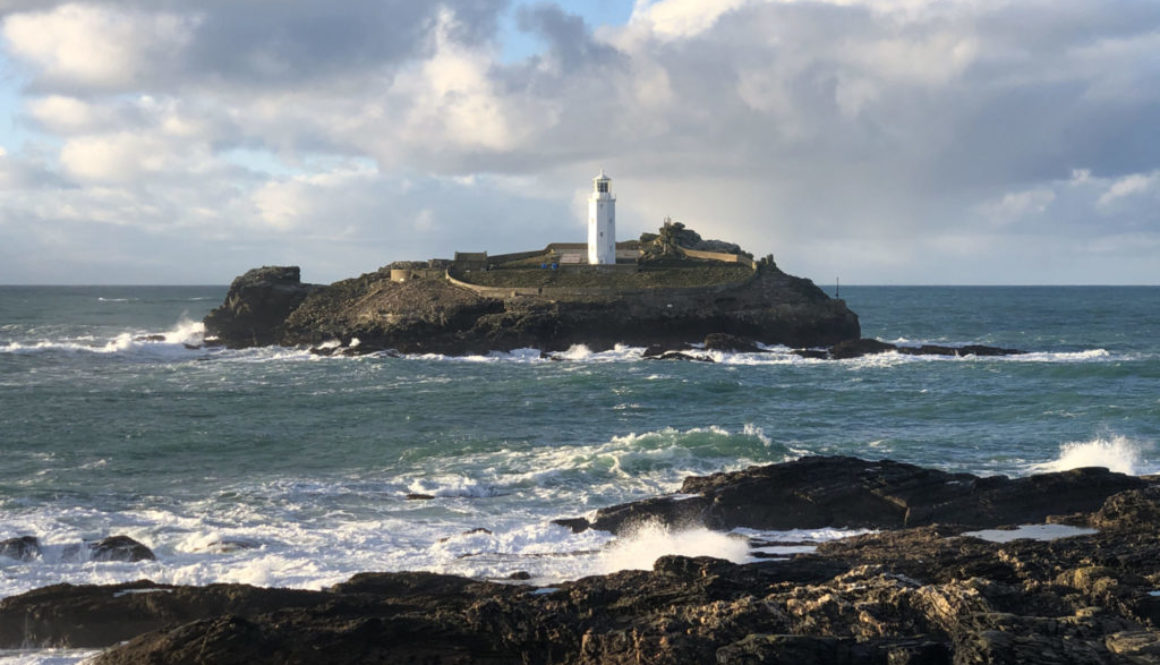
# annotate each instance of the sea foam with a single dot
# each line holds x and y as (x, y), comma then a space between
(640, 549)
(46, 656)
(1116, 453)
(179, 341)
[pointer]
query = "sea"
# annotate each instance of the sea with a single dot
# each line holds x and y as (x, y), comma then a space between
(279, 467)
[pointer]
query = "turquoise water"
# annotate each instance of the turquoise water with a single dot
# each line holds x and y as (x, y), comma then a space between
(276, 467)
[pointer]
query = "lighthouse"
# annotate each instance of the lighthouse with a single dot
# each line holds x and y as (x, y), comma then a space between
(601, 222)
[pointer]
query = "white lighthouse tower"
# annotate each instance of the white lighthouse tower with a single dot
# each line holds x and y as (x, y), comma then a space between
(601, 222)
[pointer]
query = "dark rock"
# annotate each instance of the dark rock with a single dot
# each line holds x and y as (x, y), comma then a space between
(256, 307)
(24, 548)
(576, 524)
(857, 348)
(1137, 646)
(417, 496)
(808, 650)
(232, 545)
(815, 492)
(1135, 509)
(119, 548)
(655, 351)
(520, 575)
(680, 355)
(469, 532)
(968, 350)
(90, 616)
(732, 343)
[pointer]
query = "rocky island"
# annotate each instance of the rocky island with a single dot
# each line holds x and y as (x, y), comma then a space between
(665, 289)
(925, 588)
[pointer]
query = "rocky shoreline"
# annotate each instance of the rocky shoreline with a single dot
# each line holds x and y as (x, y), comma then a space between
(923, 588)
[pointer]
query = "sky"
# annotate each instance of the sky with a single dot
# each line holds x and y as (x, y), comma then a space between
(875, 141)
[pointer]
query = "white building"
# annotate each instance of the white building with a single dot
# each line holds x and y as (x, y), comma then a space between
(601, 222)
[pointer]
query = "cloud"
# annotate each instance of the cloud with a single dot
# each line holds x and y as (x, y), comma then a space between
(1017, 205)
(1133, 186)
(96, 47)
(675, 19)
(902, 141)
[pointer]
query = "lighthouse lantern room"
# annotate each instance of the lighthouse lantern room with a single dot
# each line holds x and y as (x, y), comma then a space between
(601, 222)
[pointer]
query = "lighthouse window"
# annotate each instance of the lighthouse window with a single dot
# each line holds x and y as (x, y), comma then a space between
(602, 187)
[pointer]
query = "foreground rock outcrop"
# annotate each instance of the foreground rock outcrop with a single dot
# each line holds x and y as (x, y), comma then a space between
(816, 492)
(928, 594)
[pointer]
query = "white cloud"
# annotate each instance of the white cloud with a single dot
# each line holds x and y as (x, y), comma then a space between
(308, 200)
(675, 19)
(453, 97)
(1133, 185)
(96, 46)
(62, 114)
(1017, 205)
(862, 137)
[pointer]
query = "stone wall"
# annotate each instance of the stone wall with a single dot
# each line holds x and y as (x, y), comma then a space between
(724, 257)
(408, 274)
(564, 292)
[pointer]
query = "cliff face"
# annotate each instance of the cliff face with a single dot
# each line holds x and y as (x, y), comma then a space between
(257, 305)
(434, 315)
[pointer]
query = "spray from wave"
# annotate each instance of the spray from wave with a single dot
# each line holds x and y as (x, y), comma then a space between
(186, 335)
(641, 548)
(1116, 453)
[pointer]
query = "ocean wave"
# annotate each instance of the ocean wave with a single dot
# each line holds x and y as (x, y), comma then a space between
(1090, 355)
(768, 356)
(262, 551)
(452, 486)
(640, 549)
(188, 337)
(1116, 453)
(46, 656)
(179, 340)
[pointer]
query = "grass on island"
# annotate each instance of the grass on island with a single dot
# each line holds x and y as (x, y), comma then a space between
(698, 274)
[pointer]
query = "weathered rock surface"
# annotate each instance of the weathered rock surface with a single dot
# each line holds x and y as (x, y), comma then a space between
(118, 548)
(925, 595)
(434, 315)
(727, 342)
(24, 548)
(90, 616)
(256, 307)
(815, 492)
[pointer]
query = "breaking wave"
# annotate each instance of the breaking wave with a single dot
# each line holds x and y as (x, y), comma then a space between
(184, 337)
(768, 356)
(1116, 453)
